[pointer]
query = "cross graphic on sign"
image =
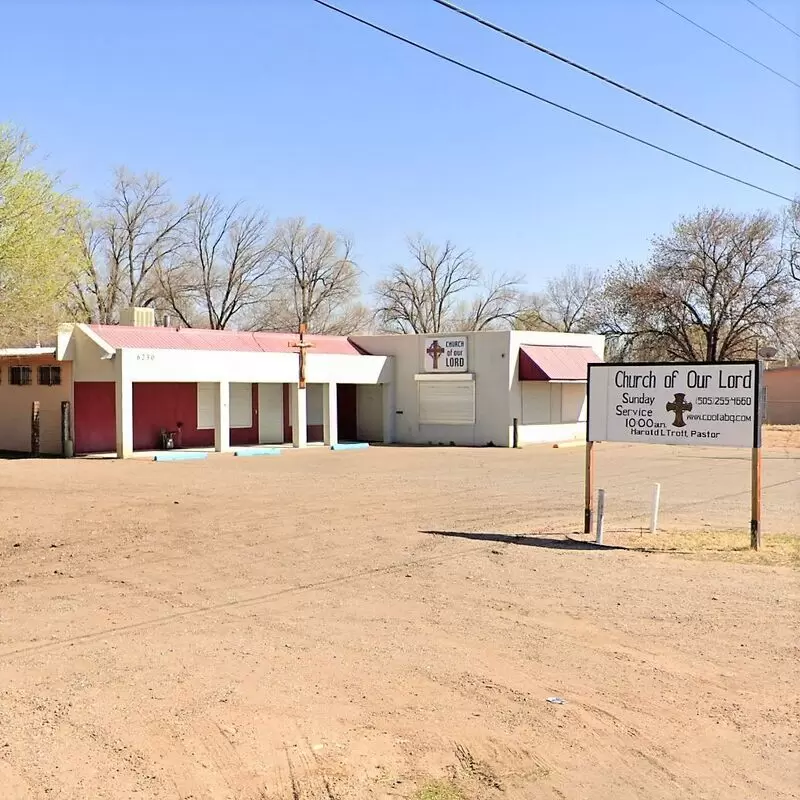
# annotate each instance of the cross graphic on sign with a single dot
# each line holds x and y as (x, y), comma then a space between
(678, 406)
(435, 351)
(301, 347)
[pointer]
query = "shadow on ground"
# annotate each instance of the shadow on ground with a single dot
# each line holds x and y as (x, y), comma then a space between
(529, 540)
(16, 455)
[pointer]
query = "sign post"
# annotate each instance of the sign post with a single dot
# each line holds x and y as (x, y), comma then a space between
(36, 429)
(654, 507)
(601, 515)
(693, 404)
(589, 487)
(755, 499)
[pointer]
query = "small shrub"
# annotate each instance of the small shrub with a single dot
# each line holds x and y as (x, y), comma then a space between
(439, 791)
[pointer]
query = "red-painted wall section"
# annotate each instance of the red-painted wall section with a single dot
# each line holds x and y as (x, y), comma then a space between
(347, 409)
(155, 406)
(95, 417)
(287, 414)
(164, 405)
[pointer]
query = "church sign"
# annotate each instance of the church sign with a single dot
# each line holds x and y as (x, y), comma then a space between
(445, 354)
(701, 404)
(710, 405)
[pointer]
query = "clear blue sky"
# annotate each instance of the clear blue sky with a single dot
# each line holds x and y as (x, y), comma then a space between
(303, 112)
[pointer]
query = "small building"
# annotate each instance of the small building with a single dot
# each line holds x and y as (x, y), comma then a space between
(31, 375)
(469, 388)
(783, 395)
(139, 387)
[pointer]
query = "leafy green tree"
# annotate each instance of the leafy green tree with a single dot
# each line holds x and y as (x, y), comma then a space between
(40, 245)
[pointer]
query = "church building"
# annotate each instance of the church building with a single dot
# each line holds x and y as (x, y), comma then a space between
(137, 387)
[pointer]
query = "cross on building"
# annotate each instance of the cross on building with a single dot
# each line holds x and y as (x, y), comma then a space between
(435, 351)
(301, 346)
(678, 406)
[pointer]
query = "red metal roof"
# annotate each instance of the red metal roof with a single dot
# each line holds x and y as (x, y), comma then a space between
(555, 363)
(123, 336)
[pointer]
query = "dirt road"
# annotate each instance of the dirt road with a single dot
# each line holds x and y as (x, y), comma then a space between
(362, 624)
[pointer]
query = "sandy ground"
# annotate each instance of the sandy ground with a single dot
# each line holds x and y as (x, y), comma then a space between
(360, 624)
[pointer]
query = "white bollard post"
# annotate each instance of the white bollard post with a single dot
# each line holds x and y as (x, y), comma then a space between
(654, 509)
(601, 512)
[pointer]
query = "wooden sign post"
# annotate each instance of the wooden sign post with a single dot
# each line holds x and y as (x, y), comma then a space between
(35, 429)
(588, 488)
(66, 432)
(755, 499)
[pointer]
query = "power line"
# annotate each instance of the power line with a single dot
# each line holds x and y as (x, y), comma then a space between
(774, 19)
(541, 99)
(517, 38)
(727, 43)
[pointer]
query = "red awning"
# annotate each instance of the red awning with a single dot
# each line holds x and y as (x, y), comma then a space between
(555, 363)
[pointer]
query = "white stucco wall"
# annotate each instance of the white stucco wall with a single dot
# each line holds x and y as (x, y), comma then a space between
(198, 365)
(493, 360)
(87, 358)
(487, 360)
(370, 410)
(572, 401)
(16, 405)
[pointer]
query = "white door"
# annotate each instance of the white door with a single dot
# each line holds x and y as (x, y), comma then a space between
(270, 413)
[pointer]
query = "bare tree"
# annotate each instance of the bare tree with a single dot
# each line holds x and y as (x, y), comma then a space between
(714, 288)
(138, 232)
(429, 295)
(227, 268)
(317, 282)
(568, 303)
(95, 294)
(790, 238)
(497, 304)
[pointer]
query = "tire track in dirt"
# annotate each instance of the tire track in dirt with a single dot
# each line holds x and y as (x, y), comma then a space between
(243, 603)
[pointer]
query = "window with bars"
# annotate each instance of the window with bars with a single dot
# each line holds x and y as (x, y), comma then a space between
(19, 376)
(50, 376)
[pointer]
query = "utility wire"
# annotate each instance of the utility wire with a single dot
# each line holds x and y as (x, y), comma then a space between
(517, 38)
(774, 19)
(727, 43)
(541, 99)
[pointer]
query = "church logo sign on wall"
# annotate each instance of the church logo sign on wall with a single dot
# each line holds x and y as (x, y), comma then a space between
(446, 354)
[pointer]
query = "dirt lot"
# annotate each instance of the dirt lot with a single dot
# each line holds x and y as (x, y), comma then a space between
(389, 623)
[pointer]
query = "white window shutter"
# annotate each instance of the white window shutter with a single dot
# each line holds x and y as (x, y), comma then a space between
(446, 402)
(241, 405)
(535, 402)
(314, 402)
(206, 406)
